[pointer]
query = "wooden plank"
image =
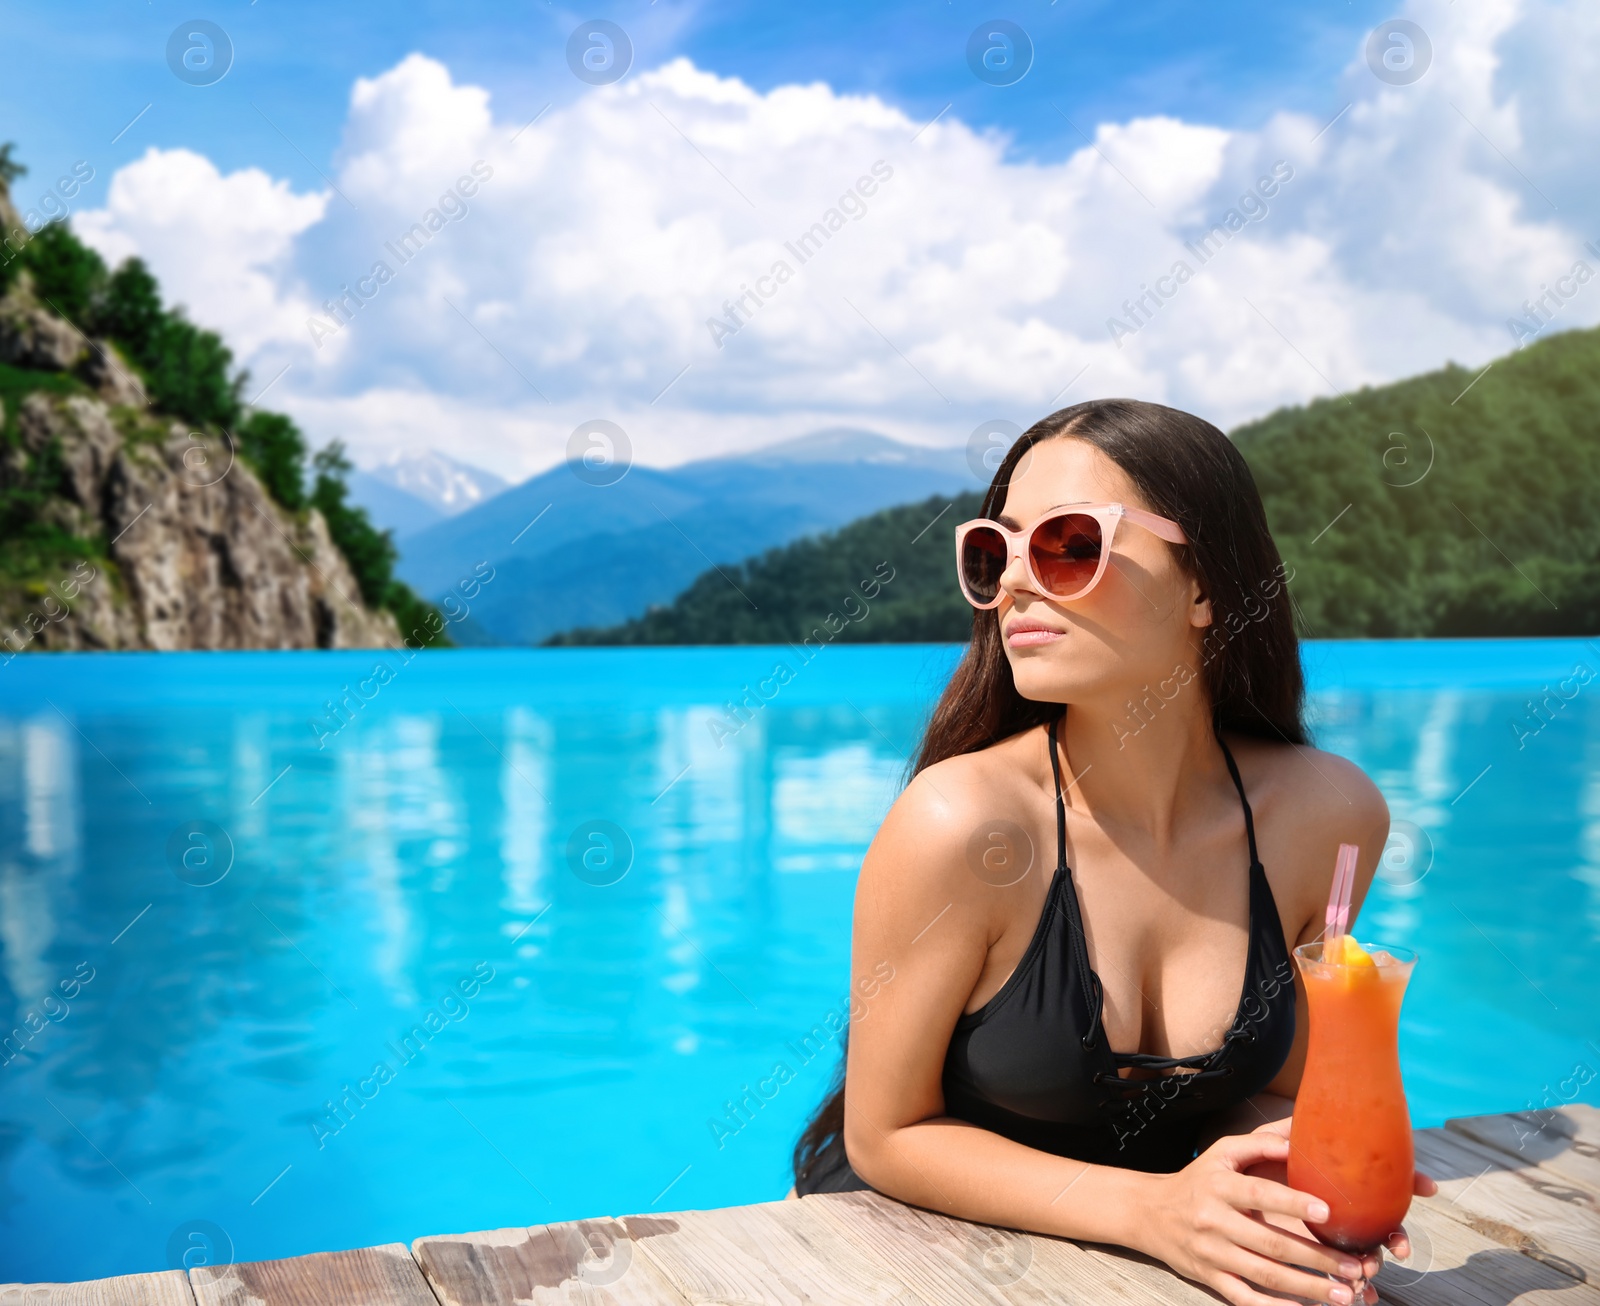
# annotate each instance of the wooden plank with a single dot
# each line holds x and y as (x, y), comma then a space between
(1453, 1264)
(168, 1288)
(948, 1260)
(370, 1276)
(1517, 1220)
(589, 1261)
(1156, 1280)
(980, 1267)
(494, 1268)
(1519, 1208)
(763, 1255)
(1564, 1141)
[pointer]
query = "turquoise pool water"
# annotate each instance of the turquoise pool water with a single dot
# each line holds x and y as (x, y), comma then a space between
(222, 1063)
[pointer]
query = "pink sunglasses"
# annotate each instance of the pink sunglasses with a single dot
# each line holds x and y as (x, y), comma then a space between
(1065, 552)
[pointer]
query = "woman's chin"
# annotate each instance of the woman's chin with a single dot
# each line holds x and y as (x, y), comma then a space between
(1055, 674)
(1040, 681)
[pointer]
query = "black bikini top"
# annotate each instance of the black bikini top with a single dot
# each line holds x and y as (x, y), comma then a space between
(1033, 1064)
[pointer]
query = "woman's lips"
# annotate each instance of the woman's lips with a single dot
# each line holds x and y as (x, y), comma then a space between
(1027, 634)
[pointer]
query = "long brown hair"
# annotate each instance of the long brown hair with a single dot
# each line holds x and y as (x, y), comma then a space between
(1187, 470)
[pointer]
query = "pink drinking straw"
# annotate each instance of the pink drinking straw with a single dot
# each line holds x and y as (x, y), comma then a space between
(1344, 880)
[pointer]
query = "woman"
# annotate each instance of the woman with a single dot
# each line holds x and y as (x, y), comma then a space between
(1114, 816)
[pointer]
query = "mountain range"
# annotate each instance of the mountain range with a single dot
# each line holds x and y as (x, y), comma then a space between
(1451, 504)
(411, 492)
(567, 552)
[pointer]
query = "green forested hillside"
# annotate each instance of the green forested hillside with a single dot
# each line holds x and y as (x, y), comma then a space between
(1498, 535)
(886, 578)
(1439, 505)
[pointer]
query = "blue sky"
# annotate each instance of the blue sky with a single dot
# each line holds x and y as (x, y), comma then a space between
(76, 75)
(993, 277)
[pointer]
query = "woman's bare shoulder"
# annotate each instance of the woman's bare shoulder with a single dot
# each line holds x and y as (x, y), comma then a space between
(1307, 802)
(1322, 787)
(942, 827)
(973, 787)
(945, 802)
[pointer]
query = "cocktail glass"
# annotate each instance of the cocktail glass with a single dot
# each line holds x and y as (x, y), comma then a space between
(1350, 1137)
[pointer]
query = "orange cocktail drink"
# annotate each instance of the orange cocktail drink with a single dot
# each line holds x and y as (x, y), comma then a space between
(1350, 1138)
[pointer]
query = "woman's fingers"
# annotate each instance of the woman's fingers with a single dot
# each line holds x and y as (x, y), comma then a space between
(1235, 1290)
(1256, 1235)
(1277, 1171)
(1250, 1193)
(1423, 1185)
(1241, 1150)
(1277, 1277)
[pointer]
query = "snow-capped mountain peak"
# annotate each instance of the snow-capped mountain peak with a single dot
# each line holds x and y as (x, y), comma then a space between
(439, 481)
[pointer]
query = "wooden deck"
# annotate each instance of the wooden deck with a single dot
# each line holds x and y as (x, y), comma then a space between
(1517, 1219)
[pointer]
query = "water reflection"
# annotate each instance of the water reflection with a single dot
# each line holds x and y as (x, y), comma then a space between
(434, 833)
(829, 805)
(525, 826)
(1588, 868)
(39, 826)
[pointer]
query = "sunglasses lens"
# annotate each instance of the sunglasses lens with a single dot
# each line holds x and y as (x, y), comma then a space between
(983, 559)
(1065, 552)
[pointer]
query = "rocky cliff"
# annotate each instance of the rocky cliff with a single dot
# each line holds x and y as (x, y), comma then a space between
(141, 534)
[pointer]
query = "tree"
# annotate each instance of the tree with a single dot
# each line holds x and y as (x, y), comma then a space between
(67, 274)
(272, 444)
(10, 169)
(369, 551)
(132, 314)
(188, 374)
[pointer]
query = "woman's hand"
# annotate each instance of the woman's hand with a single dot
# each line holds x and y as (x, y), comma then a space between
(1397, 1242)
(1208, 1222)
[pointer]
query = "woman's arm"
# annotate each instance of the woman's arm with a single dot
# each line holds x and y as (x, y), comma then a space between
(921, 910)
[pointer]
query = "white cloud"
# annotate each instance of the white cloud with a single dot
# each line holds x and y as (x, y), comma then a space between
(219, 245)
(968, 285)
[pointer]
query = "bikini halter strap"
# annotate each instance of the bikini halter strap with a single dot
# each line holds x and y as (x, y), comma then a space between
(1061, 805)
